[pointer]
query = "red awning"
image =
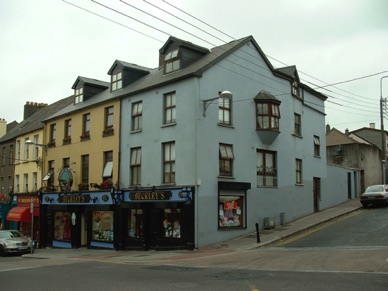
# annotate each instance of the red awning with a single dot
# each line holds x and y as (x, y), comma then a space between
(22, 214)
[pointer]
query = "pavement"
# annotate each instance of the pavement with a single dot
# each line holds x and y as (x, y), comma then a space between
(241, 244)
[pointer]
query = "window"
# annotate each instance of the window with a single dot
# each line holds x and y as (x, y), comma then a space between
(267, 116)
(135, 223)
(62, 226)
(117, 81)
(17, 151)
(171, 223)
(102, 226)
(169, 108)
(172, 61)
(85, 126)
(136, 166)
(26, 149)
(79, 95)
(17, 184)
(10, 159)
(53, 134)
(231, 209)
(109, 116)
(297, 124)
(85, 169)
(137, 112)
(25, 180)
(36, 147)
(224, 110)
(317, 146)
(266, 169)
(107, 173)
(3, 157)
(67, 135)
(226, 160)
(295, 88)
(299, 176)
(50, 176)
(169, 162)
(34, 181)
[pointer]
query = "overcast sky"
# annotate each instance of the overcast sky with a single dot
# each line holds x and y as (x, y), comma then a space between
(46, 44)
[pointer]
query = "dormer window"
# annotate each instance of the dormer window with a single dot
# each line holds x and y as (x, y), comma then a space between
(79, 95)
(172, 61)
(117, 81)
(295, 88)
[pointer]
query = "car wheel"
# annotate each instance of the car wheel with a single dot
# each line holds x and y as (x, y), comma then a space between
(2, 252)
(364, 205)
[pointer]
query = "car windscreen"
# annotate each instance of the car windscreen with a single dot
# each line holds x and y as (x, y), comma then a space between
(374, 189)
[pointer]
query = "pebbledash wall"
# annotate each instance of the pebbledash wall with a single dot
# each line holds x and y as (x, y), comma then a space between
(197, 140)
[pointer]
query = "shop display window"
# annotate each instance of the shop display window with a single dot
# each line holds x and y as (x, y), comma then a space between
(231, 209)
(103, 226)
(62, 226)
(171, 223)
(135, 223)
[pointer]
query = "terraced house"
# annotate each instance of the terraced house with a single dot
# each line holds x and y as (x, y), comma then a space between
(193, 152)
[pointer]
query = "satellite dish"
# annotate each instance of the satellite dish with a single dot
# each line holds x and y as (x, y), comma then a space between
(338, 147)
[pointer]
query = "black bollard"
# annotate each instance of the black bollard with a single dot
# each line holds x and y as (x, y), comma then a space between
(257, 233)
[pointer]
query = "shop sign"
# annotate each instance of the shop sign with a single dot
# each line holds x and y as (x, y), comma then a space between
(90, 198)
(152, 195)
(75, 199)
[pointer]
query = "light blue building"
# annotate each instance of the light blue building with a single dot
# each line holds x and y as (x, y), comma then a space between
(235, 141)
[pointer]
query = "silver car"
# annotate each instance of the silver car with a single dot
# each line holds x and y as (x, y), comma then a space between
(375, 195)
(14, 242)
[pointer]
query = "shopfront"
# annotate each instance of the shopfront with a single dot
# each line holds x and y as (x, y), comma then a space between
(21, 217)
(155, 218)
(74, 220)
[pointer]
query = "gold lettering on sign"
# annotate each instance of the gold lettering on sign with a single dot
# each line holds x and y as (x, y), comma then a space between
(158, 195)
(75, 199)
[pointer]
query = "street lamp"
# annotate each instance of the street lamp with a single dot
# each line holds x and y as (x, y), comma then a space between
(44, 146)
(383, 142)
(207, 102)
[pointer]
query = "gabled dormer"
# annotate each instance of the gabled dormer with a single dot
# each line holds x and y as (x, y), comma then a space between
(85, 88)
(123, 73)
(267, 116)
(292, 73)
(176, 54)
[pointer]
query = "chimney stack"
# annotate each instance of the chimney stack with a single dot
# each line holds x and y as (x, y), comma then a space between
(31, 107)
(3, 127)
(372, 125)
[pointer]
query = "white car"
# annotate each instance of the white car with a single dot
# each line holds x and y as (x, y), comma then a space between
(14, 242)
(375, 195)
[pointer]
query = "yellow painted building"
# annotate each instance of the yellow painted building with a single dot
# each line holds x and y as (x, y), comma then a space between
(84, 137)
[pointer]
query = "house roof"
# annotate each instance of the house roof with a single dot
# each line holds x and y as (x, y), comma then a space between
(157, 77)
(130, 66)
(90, 81)
(34, 122)
(335, 137)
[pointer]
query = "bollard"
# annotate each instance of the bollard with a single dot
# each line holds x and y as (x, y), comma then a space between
(257, 233)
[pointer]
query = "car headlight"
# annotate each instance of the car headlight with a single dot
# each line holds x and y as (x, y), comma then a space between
(9, 244)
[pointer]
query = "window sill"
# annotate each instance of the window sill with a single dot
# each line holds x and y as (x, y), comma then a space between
(135, 131)
(296, 184)
(297, 135)
(225, 125)
(226, 177)
(169, 124)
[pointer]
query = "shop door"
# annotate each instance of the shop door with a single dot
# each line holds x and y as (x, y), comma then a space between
(152, 231)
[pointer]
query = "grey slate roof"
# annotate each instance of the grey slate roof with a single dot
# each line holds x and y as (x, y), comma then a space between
(157, 78)
(34, 122)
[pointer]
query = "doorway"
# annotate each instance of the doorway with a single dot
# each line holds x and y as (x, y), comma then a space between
(316, 192)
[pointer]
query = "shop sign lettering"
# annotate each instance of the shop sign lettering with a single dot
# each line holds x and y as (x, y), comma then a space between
(74, 199)
(157, 195)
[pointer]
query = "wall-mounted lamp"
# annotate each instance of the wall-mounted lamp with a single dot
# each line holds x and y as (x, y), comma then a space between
(207, 102)
(44, 146)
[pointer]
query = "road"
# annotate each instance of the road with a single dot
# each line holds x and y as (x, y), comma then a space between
(347, 254)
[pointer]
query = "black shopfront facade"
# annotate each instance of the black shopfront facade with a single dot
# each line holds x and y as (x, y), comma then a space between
(156, 218)
(79, 219)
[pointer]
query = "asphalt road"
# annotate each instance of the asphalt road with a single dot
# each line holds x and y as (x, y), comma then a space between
(349, 253)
